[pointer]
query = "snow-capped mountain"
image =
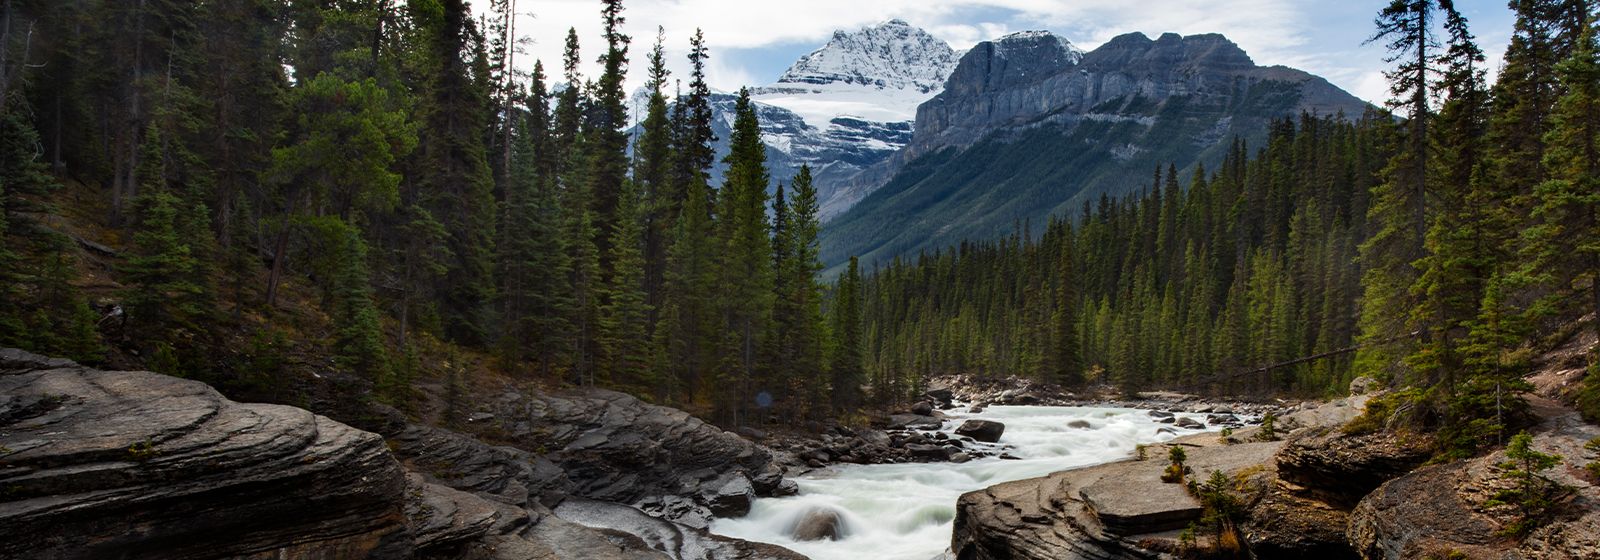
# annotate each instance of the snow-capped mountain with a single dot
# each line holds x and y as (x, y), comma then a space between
(879, 73)
(855, 99)
(843, 108)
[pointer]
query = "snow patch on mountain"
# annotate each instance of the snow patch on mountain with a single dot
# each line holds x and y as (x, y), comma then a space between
(879, 73)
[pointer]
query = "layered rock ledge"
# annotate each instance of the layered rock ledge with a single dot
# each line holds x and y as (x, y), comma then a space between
(98, 464)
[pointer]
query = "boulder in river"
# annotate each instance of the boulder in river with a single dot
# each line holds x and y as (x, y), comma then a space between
(922, 408)
(1189, 423)
(730, 495)
(914, 422)
(926, 451)
(818, 524)
(1080, 424)
(982, 430)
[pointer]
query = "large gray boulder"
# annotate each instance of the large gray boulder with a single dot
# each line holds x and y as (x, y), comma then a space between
(987, 431)
(818, 524)
(729, 495)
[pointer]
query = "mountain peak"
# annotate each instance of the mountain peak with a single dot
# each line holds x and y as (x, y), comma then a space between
(1018, 58)
(890, 55)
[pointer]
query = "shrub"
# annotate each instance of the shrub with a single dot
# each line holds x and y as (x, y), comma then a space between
(1176, 469)
(1269, 428)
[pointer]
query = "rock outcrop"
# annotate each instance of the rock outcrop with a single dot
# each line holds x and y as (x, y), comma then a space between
(97, 464)
(1339, 468)
(1124, 510)
(1441, 510)
(608, 446)
(141, 465)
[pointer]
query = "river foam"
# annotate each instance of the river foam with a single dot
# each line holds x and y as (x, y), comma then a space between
(905, 511)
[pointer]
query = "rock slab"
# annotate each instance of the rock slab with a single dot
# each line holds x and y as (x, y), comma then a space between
(140, 465)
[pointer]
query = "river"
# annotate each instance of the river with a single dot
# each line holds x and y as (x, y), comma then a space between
(905, 511)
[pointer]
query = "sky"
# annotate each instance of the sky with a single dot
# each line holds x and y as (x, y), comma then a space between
(753, 41)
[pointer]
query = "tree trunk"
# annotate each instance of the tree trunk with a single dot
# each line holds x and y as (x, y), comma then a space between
(278, 257)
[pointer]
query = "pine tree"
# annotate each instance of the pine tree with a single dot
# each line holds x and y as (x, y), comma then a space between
(1562, 251)
(1400, 202)
(653, 173)
(848, 359)
(533, 266)
(1450, 286)
(608, 141)
(342, 159)
(166, 299)
(800, 355)
(586, 280)
(694, 135)
(689, 317)
(456, 184)
(624, 318)
(358, 334)
(1066, 362)
(746, 260)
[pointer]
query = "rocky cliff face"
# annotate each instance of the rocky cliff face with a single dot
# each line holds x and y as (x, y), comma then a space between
(1027, 126)
(98, 464)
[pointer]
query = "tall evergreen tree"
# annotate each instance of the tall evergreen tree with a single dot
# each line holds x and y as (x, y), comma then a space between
(533, 266)
(1562, 251)
(455, 181)
(746, 259)
(653, 174)
(624, 317)
(608, 139)
(797, 310)
(1066, 365)
(1400, 201)
(849, 359)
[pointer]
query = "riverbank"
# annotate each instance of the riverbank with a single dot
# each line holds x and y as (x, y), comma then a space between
(1308, 490)
(906, 510)
(925, 432)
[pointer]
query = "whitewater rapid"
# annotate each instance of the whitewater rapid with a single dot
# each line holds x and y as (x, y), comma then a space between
(905, 511)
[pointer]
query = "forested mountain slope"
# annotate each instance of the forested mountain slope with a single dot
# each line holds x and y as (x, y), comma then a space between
(1028, 127)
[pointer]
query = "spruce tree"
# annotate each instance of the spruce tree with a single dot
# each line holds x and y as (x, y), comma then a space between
(849, 360)
(456, 183)
(358, 335)
(689, 317)
(166, 299)
(533, 266)
(1459, 252)
(801, 354)
(653, 174)
(624, 317)
(607, 137)
(1562, 251)
(1400, 202)
(746, 259)
(1066, 363)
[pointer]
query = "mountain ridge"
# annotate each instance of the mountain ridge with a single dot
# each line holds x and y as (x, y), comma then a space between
(1023, 131)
